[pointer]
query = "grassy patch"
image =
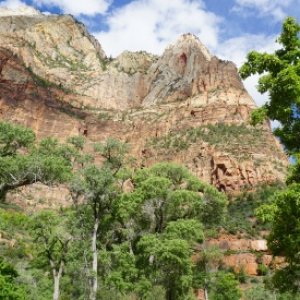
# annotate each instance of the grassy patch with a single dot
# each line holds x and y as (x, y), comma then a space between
(103, 116)
(228, 137)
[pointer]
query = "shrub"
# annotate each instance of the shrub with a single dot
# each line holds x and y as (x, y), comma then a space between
(262, 270)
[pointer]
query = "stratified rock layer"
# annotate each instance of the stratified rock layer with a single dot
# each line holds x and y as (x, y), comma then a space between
(185, 106)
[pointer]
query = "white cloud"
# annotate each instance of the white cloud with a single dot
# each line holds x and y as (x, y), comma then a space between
(236, 48)
(78, 7)
(16, 7)
(152, 24)
(12, 4)
(274, 8)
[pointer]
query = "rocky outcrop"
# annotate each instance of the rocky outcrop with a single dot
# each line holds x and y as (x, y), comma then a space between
(59, 49)
(38, 197)
(34, 102)
(185, 106)
(231, 243)
(243, 254)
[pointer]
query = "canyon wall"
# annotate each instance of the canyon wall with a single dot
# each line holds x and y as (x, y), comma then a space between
(185, 106)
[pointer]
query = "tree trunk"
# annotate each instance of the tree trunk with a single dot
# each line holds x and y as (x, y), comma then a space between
(205, 293)
(170, 294)
(205, 282)
(95, 261)
(56, 288)
(56, 278)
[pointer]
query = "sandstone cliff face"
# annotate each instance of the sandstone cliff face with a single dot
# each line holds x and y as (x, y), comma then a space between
(59, 49)
(185, 106)
(243, 254)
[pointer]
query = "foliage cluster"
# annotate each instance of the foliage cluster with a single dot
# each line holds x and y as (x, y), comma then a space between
(281, 79)
(110, 244)
(242, 209)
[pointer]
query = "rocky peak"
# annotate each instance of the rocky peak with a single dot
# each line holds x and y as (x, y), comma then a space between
(188, 72)
(187, 44)
(21, 10)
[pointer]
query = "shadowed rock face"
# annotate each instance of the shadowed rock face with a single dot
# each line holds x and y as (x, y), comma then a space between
(185, 106)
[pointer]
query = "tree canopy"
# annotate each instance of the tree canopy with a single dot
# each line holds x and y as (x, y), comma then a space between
(24, 161)
(9, 290)
(281, 79)
(110, 243)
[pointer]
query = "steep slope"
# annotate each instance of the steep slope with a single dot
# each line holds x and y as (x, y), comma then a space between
(185, 106)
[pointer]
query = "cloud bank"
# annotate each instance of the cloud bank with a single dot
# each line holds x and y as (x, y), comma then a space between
(77, 7)
(274, 8)
(152, 24)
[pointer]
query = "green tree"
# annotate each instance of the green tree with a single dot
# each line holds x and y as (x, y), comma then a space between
(284, 238)
(97, 187)
(225, 287)
(282, 81)
(161, 222)
(208, 262)
(170, 192)
(23, 162)
(9, 290)
(52, 241)
(258, 293)
(167, 261)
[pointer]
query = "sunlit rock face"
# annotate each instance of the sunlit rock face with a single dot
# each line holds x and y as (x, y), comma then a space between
(185, 106)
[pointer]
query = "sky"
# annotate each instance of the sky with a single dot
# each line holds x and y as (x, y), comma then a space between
(229, 28)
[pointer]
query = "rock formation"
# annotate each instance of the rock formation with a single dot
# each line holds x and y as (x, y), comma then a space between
(185, 106)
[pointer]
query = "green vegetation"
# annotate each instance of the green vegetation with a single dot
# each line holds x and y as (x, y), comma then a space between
(61, 60)
(242, 210)
(225, 287)
(45, 162)
(230, 137)
(104, 116)
(104, 62)
(282, 81)
(110, 244)
(150, 241)
(9, 290)
(42, 82)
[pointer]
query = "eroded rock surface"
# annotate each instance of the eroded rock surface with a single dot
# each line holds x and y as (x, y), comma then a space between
(185, 106)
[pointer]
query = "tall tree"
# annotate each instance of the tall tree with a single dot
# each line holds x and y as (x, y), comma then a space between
(52, 240)
(282, 81)
(161, 221)
(96, 184)
(208, 262)
(225, 287)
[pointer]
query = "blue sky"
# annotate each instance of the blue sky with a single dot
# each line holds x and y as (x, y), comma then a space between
(229, 28)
